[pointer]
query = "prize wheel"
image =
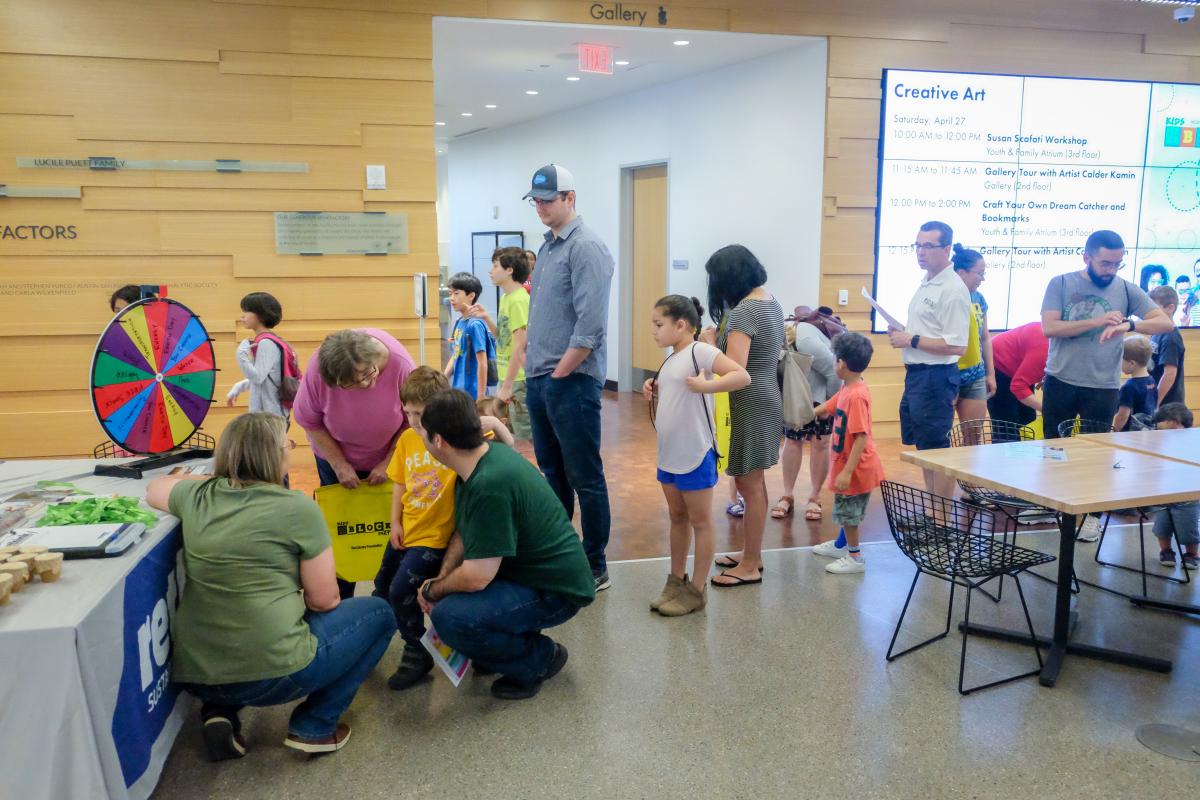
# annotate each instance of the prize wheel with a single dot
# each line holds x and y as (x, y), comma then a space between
(152, 376)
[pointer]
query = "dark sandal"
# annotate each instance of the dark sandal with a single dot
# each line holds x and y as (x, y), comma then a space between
(740, 581)
(730, 563)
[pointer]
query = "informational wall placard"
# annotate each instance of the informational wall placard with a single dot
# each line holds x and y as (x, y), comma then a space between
(1025, 168)
(309, 233)
(110, 163)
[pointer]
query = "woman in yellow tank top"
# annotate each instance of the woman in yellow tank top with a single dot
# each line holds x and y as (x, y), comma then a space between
(976, 369)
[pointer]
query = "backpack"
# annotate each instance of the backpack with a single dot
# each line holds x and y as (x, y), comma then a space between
(653, 399)
(493, 372)
(823, 319)
(290, 383)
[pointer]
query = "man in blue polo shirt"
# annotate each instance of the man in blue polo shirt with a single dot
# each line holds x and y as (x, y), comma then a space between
(566, 359)
(932, 340)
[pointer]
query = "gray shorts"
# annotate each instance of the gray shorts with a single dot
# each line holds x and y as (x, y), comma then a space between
(1180, 519)
(849, 509)
(975, 390)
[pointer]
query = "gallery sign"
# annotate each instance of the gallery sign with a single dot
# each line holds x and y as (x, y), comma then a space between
(620, 12)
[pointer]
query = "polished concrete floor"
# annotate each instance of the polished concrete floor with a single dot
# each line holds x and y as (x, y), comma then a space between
(777, 691)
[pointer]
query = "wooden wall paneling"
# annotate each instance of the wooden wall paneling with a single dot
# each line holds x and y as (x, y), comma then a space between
(862, 88)
(921, 28)
(438, 8)
(239, 62)
(386, 102)
(96, 231)
(121, 198)
(390, 266)
(852, 118)
(342, 32)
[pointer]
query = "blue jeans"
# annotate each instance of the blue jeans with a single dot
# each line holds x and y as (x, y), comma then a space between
(500, 627)
(328, 477)
(400, 576)
(565, 416)
(350, 641)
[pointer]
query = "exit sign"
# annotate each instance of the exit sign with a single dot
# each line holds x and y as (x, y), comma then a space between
(596, 58)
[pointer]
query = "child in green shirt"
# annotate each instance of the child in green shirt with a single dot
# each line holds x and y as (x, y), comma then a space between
(510, 268)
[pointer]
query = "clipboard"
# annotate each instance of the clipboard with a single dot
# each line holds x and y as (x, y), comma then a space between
(80, 541)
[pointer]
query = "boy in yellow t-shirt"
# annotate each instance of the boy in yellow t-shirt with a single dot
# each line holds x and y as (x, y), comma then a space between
(422, 523)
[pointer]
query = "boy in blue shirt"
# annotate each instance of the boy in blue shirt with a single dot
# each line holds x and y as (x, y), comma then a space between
(472, 344)
(1138, 394)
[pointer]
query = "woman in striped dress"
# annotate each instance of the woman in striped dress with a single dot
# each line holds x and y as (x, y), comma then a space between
(752, 335)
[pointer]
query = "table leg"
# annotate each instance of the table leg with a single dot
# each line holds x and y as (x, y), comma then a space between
(1065, 619)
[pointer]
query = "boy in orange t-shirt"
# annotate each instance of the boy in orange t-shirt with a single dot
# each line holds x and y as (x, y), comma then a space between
(856, 469)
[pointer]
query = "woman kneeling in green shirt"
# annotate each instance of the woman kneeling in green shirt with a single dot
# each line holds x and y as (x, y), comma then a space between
(260, 622)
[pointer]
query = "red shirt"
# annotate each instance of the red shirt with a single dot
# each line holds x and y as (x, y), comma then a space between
(1021, 355)
(851, 409)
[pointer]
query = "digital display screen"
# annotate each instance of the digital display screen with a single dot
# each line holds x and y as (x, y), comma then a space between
(1024, 168)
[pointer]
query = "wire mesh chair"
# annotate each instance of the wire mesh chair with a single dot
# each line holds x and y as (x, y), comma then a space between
(990, 431)
(1077, 426)
(952, 541)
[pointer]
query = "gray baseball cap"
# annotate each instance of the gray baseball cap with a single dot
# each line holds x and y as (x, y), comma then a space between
(549, 181)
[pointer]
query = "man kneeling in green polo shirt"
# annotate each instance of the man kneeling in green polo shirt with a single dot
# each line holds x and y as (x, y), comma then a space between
(514, 567)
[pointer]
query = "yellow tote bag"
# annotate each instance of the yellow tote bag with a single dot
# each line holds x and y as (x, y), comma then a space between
(721, 415)
(359, 522)
(1036, 427)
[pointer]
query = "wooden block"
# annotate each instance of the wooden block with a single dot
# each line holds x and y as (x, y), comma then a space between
(438, 8)
(862, 88)
(115, 198)
(240, 62)
(876, 25)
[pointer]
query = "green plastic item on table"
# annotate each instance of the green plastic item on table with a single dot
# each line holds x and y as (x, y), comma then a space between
(97, 511)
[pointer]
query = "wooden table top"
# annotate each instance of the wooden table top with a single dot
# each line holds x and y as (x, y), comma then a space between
(1088, 480)
(1178, 445)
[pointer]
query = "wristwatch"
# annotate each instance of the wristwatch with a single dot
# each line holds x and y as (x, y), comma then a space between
(425, 592)
(1132, 325)
(916, 341)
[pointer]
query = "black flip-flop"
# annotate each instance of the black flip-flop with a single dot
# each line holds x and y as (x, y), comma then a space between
(740, 581)
(729, 563)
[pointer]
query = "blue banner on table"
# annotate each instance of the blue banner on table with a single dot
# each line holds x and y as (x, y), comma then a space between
(146, 695)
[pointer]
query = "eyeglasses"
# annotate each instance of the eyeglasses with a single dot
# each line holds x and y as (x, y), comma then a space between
(1117, 265)
(538, 202)
(926, 247)
(363, 380)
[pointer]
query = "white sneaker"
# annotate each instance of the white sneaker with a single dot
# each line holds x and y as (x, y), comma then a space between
(827, 550)
(1090, 531)
(846, 565)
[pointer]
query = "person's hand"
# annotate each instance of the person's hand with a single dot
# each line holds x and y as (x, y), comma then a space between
(1108, 320)
(648, 388)
(990, 383)
(842, 482)
(900, 339)
(378, 473)
(696, 383)
(396, 537)
(231, 402)
(504, 394)
(559, 373)
(425, 605)
(478, 311)
(709, 335)
(345, 474)
(1120, 329)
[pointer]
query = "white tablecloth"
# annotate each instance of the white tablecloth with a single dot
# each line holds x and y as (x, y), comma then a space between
(86, 705)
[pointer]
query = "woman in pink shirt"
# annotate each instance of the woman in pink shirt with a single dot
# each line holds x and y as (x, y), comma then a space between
(1020, 359)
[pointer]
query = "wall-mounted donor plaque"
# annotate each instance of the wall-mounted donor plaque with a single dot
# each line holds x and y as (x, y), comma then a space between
(109, 163)
(317, 233)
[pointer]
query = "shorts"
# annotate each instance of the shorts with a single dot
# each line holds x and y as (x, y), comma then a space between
(702, 477)
(518, 413)
(813, 430)
(927, 406)
(1181, 519)
(849, 509)
(973, 390)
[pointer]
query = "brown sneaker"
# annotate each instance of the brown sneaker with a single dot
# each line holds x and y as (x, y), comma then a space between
(670, 590)
(687, 600)
(325, 744)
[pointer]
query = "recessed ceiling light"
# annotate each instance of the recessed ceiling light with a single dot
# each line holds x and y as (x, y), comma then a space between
(681, 42)
(490, 105)
(531, 91)
(621, 63)
(467, 114)
(572, 77)
(440, 124)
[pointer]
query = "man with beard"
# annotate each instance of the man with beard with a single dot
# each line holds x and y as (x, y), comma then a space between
(1086, 316)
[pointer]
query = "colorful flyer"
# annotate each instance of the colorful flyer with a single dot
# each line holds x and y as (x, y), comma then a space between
(452, 662)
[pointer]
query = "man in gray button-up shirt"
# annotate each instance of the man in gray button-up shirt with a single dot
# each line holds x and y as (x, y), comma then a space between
(565, 358)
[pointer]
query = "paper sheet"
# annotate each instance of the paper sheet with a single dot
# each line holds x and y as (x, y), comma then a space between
(451, 662)
(1032, 452)
(891, 321)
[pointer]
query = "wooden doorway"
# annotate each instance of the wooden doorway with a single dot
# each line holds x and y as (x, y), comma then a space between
(648, 216)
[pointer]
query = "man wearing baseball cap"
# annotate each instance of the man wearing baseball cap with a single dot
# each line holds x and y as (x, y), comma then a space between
(565, 358)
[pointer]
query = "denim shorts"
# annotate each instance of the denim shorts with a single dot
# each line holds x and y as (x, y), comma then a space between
(849, 509)
(1182, 519)
(702, 477)
(927, 406)
(973, 390)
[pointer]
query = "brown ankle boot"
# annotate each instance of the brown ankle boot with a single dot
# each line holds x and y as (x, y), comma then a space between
(674, 585)
(685, 602)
